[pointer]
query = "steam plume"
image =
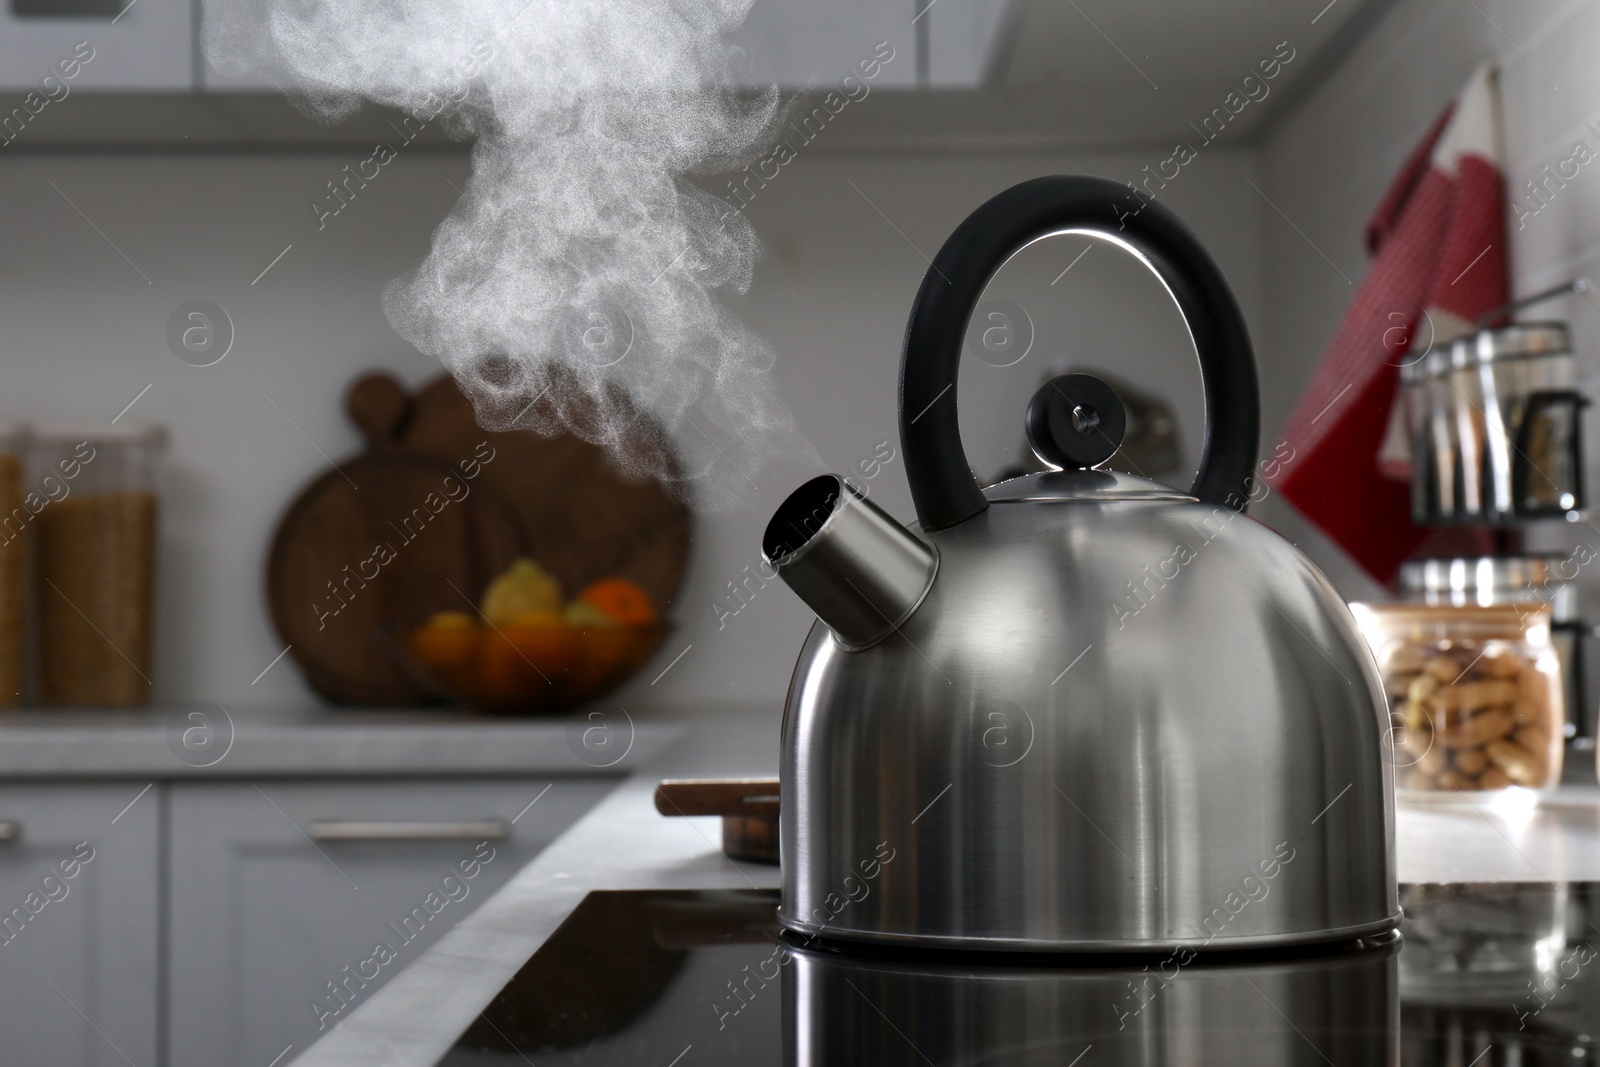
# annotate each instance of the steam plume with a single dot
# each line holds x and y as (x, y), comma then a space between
(580, 258)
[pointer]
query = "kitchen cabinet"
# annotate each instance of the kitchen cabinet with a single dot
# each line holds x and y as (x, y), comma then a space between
(107, 45)
(155, 47)
(290, 903)
(146, 47)
(79, 929)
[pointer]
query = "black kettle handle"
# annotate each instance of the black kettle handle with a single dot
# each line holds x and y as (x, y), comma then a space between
(942, 483)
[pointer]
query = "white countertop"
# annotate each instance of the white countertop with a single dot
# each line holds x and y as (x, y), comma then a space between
(623, 843)
(1556, 841)
(309, 741)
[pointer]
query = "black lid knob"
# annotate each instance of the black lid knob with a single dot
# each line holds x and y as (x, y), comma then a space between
(1076, 421)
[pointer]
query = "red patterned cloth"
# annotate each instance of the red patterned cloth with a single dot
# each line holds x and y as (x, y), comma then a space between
(1439, 242)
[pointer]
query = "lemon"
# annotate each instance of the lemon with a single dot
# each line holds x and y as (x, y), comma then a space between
(524, 588)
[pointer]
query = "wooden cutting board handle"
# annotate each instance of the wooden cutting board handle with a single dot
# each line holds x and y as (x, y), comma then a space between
(379, 406)
(748, 806)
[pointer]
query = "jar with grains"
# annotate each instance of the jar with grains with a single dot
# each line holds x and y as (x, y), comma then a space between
(1475, 696)
(96, 536)
(14, 521)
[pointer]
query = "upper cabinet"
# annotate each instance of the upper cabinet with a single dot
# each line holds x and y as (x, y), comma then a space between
(155, 45)
(57, 47)
(819, 43)
(1024, 74)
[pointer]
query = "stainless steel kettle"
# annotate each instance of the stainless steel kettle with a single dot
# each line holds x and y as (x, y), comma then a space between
(1079, 710)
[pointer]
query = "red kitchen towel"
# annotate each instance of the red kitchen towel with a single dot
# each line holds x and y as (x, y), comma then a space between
(1439, 242)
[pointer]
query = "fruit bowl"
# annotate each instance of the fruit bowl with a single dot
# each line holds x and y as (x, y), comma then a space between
(512, 669)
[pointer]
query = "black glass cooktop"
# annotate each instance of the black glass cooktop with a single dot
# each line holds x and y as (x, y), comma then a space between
(1484, 975)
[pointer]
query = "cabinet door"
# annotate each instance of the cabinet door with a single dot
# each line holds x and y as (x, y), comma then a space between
(58, 47)
(293, 902)
(79, 923)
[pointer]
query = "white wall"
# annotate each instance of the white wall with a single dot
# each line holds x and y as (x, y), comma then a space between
(1329, 163)
(84, 333)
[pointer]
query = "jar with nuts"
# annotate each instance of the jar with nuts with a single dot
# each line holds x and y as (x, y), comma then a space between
(1475, 696)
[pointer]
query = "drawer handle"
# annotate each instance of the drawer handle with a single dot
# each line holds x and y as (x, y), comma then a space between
(351, 830)
(10, 830)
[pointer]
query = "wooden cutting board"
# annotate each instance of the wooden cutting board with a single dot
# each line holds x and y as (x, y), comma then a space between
(428, 514)
(580, 517)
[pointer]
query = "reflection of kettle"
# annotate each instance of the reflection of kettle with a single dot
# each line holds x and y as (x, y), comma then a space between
(1080, 710)
(1339, 1008)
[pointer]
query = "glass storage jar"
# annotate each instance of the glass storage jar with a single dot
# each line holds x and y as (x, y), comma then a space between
(96, 536)
(1489, 580)
(14, 521)
(1475, 696)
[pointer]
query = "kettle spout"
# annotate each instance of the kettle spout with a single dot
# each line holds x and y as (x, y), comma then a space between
(862, 572)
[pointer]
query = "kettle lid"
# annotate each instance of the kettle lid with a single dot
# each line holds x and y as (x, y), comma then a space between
(1051, 487)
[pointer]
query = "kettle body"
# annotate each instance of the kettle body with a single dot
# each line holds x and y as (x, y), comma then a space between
(1079, 711)
(1093, 735)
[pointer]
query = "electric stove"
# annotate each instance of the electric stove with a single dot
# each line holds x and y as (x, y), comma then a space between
(1481, 976)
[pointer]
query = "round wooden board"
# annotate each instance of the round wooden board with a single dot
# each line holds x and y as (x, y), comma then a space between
(340, 609)
(558, 501)
(579, 516)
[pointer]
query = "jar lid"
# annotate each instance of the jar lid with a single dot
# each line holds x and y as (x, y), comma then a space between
(1471, 573)
(1523, 340)
(133, 433)
(1453, 621)
(1465, 612)
(1488, 580)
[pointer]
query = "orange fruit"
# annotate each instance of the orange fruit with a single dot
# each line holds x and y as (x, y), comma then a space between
(449, 639)
(504, 680)
(545, 642)
(621, 600)
(455, 620)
